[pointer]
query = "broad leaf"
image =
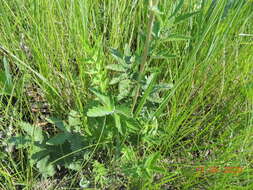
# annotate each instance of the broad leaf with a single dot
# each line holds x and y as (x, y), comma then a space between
(33, 131)
(59, 124)
(57, 139)
(103, 98)
(117, 79)
(19, 141)
(151, 82)
(116, 54)
(99, 111)
(74, 118)
(124, 110)
(39, 155)
(124, 88)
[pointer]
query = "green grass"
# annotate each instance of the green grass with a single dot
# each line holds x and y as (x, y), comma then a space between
(181, 99)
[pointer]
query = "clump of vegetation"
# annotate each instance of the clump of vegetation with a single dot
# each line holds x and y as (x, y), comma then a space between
(125, 94)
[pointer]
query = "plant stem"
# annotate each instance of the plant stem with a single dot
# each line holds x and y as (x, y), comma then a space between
(153, 3)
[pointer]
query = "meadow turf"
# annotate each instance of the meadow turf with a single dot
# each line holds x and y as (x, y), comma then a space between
(126, 94)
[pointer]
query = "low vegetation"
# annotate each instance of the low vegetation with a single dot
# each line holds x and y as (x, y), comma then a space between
(151, 94)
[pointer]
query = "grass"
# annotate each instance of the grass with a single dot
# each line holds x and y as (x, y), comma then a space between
(103, 95)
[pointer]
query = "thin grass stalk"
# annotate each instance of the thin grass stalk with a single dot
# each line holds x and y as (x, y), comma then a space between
(153, 3)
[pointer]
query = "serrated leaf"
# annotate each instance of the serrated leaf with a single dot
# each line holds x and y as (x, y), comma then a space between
(76, 141)
(116, 80)
(39, 155)
(19, 141)
(103, 98)
(124, 110)
(116, 67)
(124, 88)
(150, 85)
(116, 54)
(59, 124)
(99, 111)
(57, 139)
(74, 165)
(33, 131)
(45, 168)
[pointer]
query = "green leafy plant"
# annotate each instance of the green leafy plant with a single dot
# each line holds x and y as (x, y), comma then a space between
(47, 153)
(119, 116)
(141, 172)
(100, 173)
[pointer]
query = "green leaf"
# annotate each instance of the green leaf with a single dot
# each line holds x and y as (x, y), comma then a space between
(116, 54)
(99, 111)
(74, 165)
(116, 80)
(19, 141)
(127, 50)
(33, 131)
(155, 98)
(45, 168)
(84, 183)
(162, 87)
(124, 110)
(57, 139)
(59, 124)
(118, 123)
(76, 141)
(7, 72)
(103, 98)
(116, 67)
(5, 89)
(185, 16)
(150, 163)
(124, 88)
(132, 125)
(151, 160)
(74, 118)
(156, 29)
(147, 92)
(37, 156)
